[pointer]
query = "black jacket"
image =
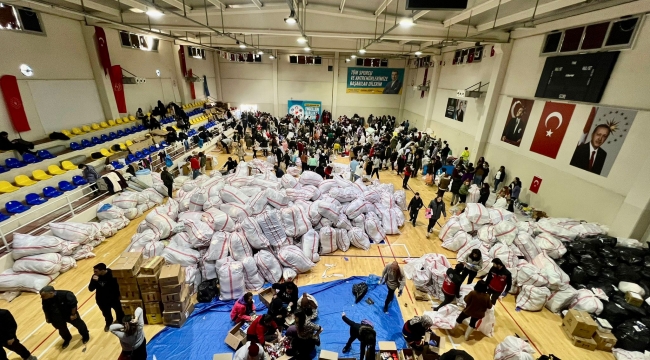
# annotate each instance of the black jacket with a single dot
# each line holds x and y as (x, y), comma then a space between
(59, 308)
(8, 328)
(582, 155)
(415, 204)
(282, 293)
(107, 288)
(366, 335)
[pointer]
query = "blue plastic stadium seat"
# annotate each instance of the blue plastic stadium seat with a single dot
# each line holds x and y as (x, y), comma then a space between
(116, 164)
(164, 144)
(14, 163)
(127, 131)
(44, 154)
(74, 146)
(139, 155)
(95, 140)
(131, 158)
(153, 149)
(105, 138)
(134, 129)
(30, 159)
(15, 207)
(34, 199)
(86, 144)
(3, 169)
(79, 180)
(112, 135)
(66, 186)
(120, 133)
(140, 127)
(4, 217)
(145, 151)
(51, 192)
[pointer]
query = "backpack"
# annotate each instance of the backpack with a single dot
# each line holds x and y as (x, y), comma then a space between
(168, 161)
(207, 291)
(359, 291)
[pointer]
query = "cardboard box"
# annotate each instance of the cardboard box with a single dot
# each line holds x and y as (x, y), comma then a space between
(151, 296)
(603, 325)
(266, 296)
(129, 306)
(177, 318)
(175, 289)
(224, 356)
(633, 299)
(387, 347)
(127, 265)
(433, 350)
(147, 279)
(130, 281)
(153, 307)
(604, 341)
(406, 354)
(186, 169)
(153, 319)
(579, 323)
(208, 164)
(152, 266)
(420, 295)
(235, 336)
(328, 355)
(129, 287)
(171, 275)
(177, 305)
(148, 288)
(176, 297)
(129, 295)
(583, 343)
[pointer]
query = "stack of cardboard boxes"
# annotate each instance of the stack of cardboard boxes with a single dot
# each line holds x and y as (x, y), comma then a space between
(175, 295)
(125, 270)
(150, 289)
(584, 333)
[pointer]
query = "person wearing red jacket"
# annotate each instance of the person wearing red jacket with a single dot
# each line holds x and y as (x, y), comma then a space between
(244, 308)
(262, 329)
(407, 176)
(499, 280)
(196, 166)
(451, 284)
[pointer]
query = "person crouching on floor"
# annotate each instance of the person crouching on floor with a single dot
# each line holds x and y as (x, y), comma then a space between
(366, 335)
(451, 284)
(243, 309)
(414, 331)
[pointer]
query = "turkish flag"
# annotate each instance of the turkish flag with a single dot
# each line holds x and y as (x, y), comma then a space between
(102, 49)
(118, 88)
(534, 186)
(551, 128)
(14, 103)
(192, 91)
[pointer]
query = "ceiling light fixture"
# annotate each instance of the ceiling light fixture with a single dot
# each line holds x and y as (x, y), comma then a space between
(347, 60)
(243, 46)
(302, 40)
(406, 22)
(362, 51)
(26, 70)
(290, 20)
(260, 52)
(154, 13)
(307, 48)
(271, 57)
(137, 11)
(418, 53)
(158, 73)
(353, 56)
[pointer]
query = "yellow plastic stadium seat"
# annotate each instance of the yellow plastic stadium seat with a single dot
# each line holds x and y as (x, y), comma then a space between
(122, 147)
(149, 114)
(67, 133)
(132, 118)
(104, 124)
(129, 143)
(175, 128)
(40, 175)
(77, 131)
(86, 128)
(119, 121)
(24, 180)
(6, 187)
(105, 152)
(95, 126)
(55, 170)
(111, 122)
(68, 165)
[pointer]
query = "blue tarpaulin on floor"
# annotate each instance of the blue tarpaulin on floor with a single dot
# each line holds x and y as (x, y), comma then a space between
(204, 332)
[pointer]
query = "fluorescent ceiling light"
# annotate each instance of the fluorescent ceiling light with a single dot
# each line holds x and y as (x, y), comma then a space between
(302, 40)
(271, 57)
(290, 20)
(347, 60)
(243, 46)
(136, 10)
(406, 22)
(154, 13)
(260, 52)
(353, 56)
(307, 48)
(362, 51)
(418, 53)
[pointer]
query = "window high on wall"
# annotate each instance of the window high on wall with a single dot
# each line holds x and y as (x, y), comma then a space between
(20, 19)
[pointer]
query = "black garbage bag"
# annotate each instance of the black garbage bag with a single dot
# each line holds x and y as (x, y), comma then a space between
(579, 276)
(607, 252)
(628, 273)
(207, 291)
(359, 291)
(570, 262)
(630, 256)
(645, 273)
(645, 285)
(591, 265)
(609, 262)
(632, 335)
(646, 261)
(609, 275)
(614, 313)
(607, 240)
(603, 284)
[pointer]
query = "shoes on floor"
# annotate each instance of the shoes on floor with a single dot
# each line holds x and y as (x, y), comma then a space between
(85, 341)
(468, 332)
(32, 357)
(105, 328)
(346, 350)
(428, 234)
(65, 344)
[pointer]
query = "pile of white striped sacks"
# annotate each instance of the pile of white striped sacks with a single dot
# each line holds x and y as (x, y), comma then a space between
(526, 248)
(247, 229)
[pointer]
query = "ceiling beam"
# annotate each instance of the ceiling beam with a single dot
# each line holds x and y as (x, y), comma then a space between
(218, 4)
(418, 14)
(133, 4)
(528, 13)
(257, 3)
(382, 7)
(476, 10)
(96, 6)
(342, 6)
(178, 4)
(403, 42)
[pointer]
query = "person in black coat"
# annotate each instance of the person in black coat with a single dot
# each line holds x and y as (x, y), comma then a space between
(366, 335)
(414, 206)
(484, 194)
(8, 337)
(287, 292)
(451, 285)
(107, 293)
(60, 309)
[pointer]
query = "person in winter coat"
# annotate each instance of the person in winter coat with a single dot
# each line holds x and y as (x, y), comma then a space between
(90, 174)
(366, 335)
(456, 183)
(477, 302)
(437, 207)
(60, 309)
(401, 162)
(499, 280)
(262, 329)
(414, 207)
(376, 165)
(414, 331)
(451, 285)
(464, 191)
(308, 305)
(464, 156)
(417, 164)
(455, 354)
(515, 189)
(499, 177)
(107, 293)
(243, 309)
(168, 180)
(288, 293)
(251, 351)
(407, 176)
(278, 312)
(131, 334)
(10, 341)
(485, 193)
(443, 184)
(473, 263)
(393, 277)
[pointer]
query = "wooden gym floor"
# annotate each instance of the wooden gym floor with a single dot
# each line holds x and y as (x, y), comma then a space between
(541, 328)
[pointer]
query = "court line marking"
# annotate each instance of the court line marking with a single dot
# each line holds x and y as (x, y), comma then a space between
(69, 326)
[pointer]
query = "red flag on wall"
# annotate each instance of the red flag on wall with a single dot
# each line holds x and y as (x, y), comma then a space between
(118, 88)
(192, 91)
(424, 81)
(181, 56)
(102, 49)
(534, 186)
(551, 128)
(14, 103)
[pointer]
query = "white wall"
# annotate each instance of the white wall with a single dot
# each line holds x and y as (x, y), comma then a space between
(247, 83)
(302, 82)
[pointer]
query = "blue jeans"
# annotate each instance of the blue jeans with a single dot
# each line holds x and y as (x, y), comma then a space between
(496, 184)
(478, 179)
(195, 173)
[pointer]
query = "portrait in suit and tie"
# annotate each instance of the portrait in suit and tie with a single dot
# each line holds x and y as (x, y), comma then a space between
(461, 107)
(515, 126)
(590, 156)
(394, 86)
